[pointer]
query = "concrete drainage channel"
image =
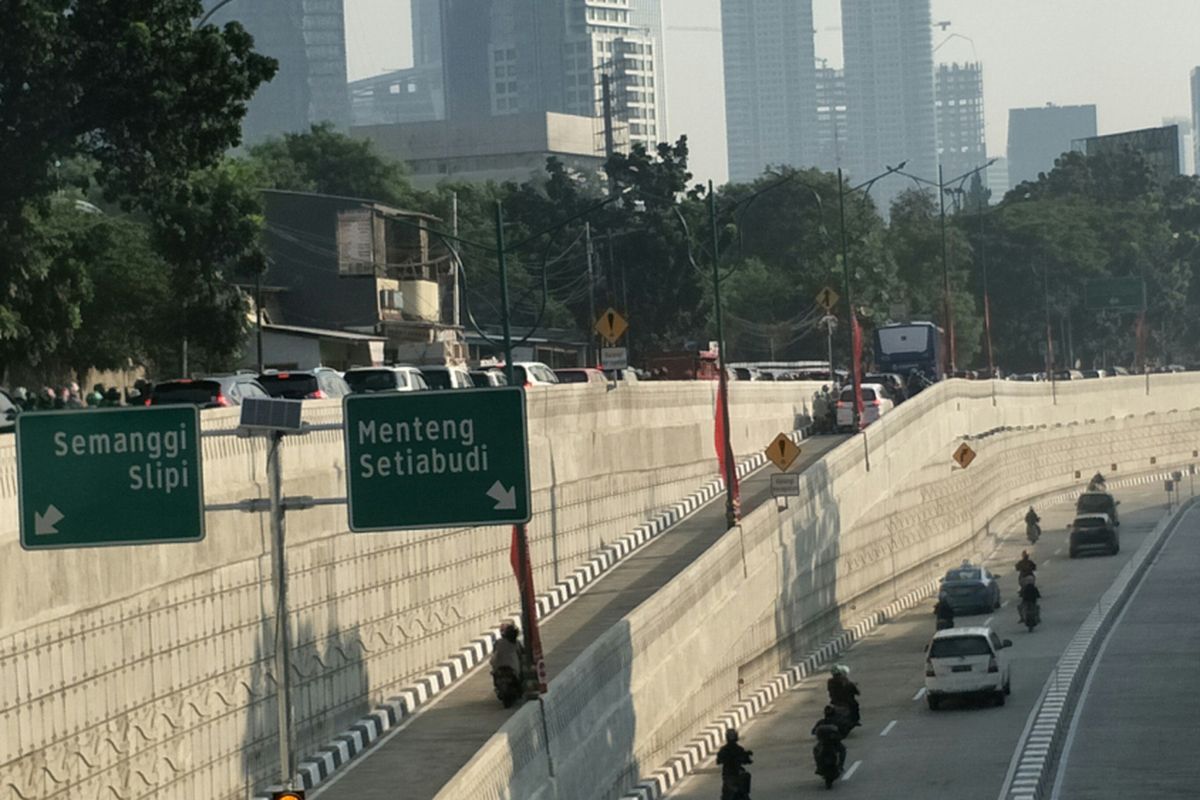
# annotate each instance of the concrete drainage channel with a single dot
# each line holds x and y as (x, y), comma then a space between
(344, 747)
(1034, 765)
(1077, 657)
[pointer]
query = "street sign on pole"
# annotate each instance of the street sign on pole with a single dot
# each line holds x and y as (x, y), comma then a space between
(436, 459)
(614, 358)
(782, 452)
(785, 484)
(118, 476)
(611, 325)
(827, 298)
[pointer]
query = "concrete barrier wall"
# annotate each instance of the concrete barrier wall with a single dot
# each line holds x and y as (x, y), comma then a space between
(855, 539)
(146, 672)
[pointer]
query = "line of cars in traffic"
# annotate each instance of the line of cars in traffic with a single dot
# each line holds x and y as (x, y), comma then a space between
(971, 661)
(216, 391)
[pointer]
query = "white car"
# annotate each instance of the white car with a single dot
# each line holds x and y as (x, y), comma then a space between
(385, 379)
(875, 405)
(533, 373)
(967, 661)
(440, 377)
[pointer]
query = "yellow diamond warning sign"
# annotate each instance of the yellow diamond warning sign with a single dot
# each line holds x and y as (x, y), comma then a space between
(782, 452)
(827, 298)
(964, 455)
(611, 326)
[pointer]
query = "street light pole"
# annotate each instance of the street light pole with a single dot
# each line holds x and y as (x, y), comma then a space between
(731, 514)
(987, 303)
(846, 287)
(947, 315)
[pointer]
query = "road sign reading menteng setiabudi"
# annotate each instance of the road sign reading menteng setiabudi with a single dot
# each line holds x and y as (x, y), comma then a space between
(436, 459)
(110, 477)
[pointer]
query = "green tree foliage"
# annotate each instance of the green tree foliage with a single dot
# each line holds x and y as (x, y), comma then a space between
(132, 88)
(326, 161)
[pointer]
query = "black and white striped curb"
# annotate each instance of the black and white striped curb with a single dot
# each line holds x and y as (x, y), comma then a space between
(1035, 760)
(710, 739)
(318, 766)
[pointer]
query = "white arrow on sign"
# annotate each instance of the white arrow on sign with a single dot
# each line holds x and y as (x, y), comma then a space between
(43, 524)
(506, 499)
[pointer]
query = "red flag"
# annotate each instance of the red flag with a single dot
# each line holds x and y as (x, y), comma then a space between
(720, 440)
(857, 336)
(524, 573)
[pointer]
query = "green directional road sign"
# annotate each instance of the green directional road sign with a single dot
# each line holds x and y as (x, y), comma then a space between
(110, 477)
(436, 459)
(1114, 293)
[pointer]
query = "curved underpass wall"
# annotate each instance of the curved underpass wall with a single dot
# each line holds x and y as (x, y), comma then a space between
(146, 672)
(855, 539)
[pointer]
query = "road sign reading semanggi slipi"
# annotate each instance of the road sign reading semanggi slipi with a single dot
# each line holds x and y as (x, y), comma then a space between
(436, 459)
(110, 477)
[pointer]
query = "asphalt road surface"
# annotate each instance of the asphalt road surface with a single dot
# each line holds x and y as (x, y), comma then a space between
(904, 750)
(1136, 732)
(417, 760)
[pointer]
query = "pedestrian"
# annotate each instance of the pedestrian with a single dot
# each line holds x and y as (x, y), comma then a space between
(112, 397)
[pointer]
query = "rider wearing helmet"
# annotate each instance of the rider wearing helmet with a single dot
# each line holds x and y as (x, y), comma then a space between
(843, 691)
(735, 781)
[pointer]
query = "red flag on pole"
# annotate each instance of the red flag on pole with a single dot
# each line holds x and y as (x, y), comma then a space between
(720, 438)
(857, 336)
(524, 573)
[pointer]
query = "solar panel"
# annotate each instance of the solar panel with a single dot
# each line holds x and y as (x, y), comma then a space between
(271, 414)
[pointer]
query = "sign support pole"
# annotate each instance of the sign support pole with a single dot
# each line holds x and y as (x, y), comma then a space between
(283, 693)
(524, 567)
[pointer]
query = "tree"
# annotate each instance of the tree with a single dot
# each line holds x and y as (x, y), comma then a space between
(329, 162)
(134, 88)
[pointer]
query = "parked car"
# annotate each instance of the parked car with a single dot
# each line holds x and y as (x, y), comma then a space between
(533, 373)
(971, 589)
(314, 384)
(1093, 531)
(214, 391)
(485, 378)
(1099, 503)
(8, 412)
(580, 375)
(446, 377)
(384, 379)
(1094, 373)
(875, 405)
(967, 661)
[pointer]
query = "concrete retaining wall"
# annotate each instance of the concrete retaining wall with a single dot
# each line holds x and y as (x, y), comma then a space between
(145, 672)
(858, 537)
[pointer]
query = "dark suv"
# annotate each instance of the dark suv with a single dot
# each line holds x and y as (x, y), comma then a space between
(314, 384)
(217, 391)
(1094, 531)
(1098, 503)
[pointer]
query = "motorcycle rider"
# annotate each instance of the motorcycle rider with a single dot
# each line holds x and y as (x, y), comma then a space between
(943, 612)
(1031, 523)
(735, 780)
(507, 653)
(844, 692)
(1029, 597)
(829, 735)
(1096, 483)
(1026, 566)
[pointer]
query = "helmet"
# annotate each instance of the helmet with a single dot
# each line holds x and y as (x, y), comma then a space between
(1024, 554)
(830, 711)
(509, 631)
(731, 735)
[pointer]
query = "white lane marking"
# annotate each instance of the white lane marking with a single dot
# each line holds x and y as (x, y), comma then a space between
(888, 728)
(850, 772)
(1004, 604)
(988, 621)
(1058, 551)
(1044, 563)
(919, 694)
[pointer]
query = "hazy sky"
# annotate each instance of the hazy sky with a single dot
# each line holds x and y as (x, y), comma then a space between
(1132, 58)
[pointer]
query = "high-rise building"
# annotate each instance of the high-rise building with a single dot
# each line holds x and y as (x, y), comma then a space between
(308, 38)
(1196, 119)
(888, 49)
(770, 85)
(831, 118)
(962, 146)
(1187, 142)
(1158, 146)
(549, 56)
(1037, 136)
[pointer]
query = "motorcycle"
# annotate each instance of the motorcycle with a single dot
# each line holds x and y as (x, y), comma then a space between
(1033, 532)
(736, 787)
(507, 685)
(1031, 615)
(1025, 578)
(847, 719)
(829, 763)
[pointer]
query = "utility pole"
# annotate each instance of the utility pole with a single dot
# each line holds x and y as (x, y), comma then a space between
(609, 145)
(987, 303)
(947, 314)
(283, 646)
(258, 319)
(846, 287)
(524, 568)
(454, 265)
(592, 355)
(1049, 336)
(731, 514)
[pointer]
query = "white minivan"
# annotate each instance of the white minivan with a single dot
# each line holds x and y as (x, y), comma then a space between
(875, 404)
(967, 661)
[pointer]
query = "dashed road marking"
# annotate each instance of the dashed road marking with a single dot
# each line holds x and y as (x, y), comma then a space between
(1058, 551)
(919, 694)
(888, 728)
(850, 772)
(1004, 604)
(988, 621)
